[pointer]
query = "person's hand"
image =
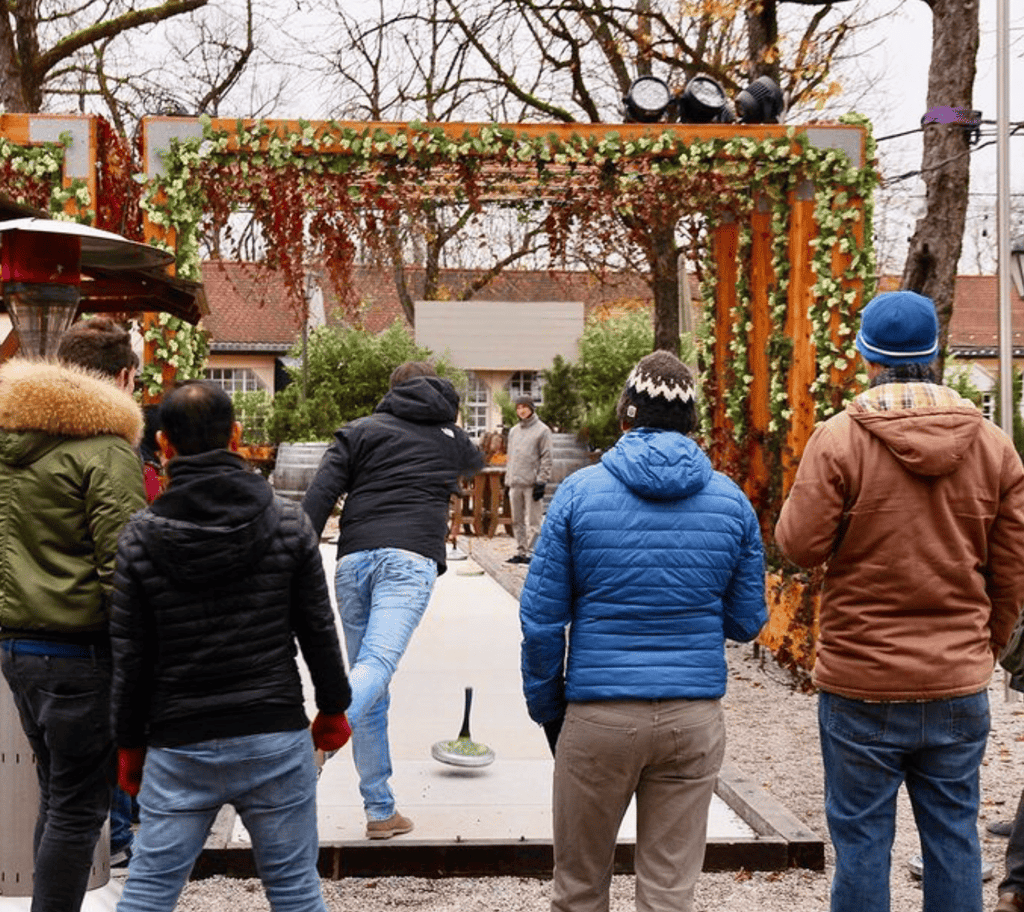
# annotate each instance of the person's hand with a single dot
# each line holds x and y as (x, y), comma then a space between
(129, 769)
(552, 729)
(538, 490)
(331, 731)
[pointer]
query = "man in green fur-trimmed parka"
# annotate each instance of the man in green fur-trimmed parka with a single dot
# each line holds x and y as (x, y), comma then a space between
(69, 480)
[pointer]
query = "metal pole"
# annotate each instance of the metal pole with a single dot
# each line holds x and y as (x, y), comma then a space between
(1003, 214)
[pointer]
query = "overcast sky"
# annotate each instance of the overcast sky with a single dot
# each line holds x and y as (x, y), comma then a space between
(898, 50)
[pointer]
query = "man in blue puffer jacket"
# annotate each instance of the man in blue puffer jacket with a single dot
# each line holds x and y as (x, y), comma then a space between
(650, 559)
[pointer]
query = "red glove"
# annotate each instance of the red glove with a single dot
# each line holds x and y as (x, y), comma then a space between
(129, 769)
(331, 731)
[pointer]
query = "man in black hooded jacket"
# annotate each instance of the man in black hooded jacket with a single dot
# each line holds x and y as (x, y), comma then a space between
(398, 469)
(214, 583)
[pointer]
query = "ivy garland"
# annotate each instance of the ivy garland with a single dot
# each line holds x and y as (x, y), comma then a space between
(34, 176)
(340, 189)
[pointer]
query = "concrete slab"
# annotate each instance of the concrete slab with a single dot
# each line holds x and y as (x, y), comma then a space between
(496, 819)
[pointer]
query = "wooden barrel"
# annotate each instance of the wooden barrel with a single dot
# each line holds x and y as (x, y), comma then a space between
(295, 466)
(567, 455)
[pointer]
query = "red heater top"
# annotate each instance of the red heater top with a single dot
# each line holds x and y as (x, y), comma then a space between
(38, 258)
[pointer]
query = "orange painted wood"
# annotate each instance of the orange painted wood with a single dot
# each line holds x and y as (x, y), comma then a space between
(762, 281)
(323, 129)
(15, 128)
(842, 379)
(726, 245)
(683, 134)
(803, 366)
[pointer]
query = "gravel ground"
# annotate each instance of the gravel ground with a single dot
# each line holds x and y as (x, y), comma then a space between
(773, 738)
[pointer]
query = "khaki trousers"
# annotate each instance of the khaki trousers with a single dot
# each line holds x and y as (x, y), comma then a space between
(667, 753)
(526, 516)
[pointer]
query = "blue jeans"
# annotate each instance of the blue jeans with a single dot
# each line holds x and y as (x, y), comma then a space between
(869, 750)
(270, 780)
(64, 705)
(382, 595)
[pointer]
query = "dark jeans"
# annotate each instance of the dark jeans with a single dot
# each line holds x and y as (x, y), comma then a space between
(935, 748)
(120, 822)
(64, 704)
(1013, 882)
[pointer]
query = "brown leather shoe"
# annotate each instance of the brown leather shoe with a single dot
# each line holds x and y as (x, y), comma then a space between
(395, 825)
(1009, 902)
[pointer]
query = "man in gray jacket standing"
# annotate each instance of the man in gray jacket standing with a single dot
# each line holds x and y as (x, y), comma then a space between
(527, 473)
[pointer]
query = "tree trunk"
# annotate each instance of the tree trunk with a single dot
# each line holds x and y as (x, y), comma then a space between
(934, 252)
(12, 95)
(762, 39)
(663, 255)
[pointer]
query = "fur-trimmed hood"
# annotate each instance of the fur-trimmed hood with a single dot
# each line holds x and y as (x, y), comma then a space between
(62, 401)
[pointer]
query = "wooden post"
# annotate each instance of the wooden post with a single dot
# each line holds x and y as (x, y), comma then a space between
(726, 245)
(762, 281)
(840, 380)
(150, 321)
(803, 367)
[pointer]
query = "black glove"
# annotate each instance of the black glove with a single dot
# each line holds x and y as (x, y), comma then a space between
(538, 490)
(552, 728)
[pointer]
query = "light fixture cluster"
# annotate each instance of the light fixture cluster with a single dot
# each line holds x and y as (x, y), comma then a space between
(703, 100)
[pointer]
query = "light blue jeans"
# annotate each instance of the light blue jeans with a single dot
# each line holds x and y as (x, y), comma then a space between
(869, 750)
(271, 781)
(382, 595)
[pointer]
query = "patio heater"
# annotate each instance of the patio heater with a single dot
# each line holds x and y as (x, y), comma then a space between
(44, 266)
(42, 269)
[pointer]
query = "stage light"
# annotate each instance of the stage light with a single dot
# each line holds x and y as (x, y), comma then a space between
(760, 102)
(704, 101)
(647, 100)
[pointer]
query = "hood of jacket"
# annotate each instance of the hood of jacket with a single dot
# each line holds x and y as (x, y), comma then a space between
(42, 402)
(214, 521)
(928, 427)
(425, 400)
(658, 465)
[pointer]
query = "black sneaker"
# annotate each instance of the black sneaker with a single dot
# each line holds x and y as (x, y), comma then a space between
(516, 559)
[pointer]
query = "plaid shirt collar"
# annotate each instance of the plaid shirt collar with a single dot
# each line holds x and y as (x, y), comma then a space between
(891, 397)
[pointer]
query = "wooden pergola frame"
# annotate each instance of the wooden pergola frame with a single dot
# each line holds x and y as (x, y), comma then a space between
(159, 132)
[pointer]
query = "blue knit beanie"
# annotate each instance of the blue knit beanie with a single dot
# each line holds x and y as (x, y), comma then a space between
(899, 327)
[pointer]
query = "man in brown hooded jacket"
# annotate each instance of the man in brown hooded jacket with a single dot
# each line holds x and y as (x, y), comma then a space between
(915, 504)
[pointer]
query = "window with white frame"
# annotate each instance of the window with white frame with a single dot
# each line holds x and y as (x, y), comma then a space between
(235, 379)
(988, 405)
(526, 383)
(474, 406)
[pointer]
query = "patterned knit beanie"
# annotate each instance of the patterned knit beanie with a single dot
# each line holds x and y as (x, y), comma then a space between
(659, 393)
(527, 401)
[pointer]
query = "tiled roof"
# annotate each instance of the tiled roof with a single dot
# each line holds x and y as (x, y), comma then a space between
(249, 309)
(975, 322)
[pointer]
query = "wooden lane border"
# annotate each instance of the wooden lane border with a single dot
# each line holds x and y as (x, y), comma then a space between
(780, 842)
